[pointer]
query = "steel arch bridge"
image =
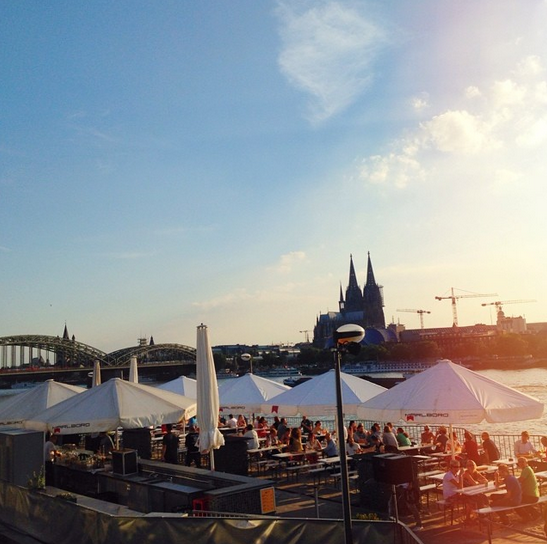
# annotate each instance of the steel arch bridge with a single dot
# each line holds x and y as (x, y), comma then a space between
(40, 350)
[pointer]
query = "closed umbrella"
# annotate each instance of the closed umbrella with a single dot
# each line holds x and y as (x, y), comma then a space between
(96, 376)
(133, 371)
(210, 437)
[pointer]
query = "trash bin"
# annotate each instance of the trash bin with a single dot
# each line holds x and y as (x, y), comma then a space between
(232, 457)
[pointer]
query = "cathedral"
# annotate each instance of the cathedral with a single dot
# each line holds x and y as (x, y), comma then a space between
(361, 307)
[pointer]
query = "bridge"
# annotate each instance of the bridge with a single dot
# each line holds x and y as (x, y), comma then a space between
(43, 356)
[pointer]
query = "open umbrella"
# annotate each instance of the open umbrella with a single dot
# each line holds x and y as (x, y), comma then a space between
(317, 397)
(248, 393)
(452, 394)
(133, 370)
(181, 385)
(23, 406)
(207, 396)
(115, 403)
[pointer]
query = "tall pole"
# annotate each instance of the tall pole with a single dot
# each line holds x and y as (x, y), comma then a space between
(346, 506)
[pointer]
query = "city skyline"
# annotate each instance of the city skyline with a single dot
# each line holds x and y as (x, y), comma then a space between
(170, 165)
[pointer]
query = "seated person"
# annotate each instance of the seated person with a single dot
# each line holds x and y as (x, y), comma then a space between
(454, 442)
(360, 436)
(470, 447)
(524, 446)
(390, 441)
(441, 440)
(331, 450)
(313, 449)
(529, 487)
(295, 441)
(402, 438)
(471, 477)
(452, 481)
(427, 436)
(317, 429)
(352, 447)
(491, 451)
(252, 436)
(513, 495)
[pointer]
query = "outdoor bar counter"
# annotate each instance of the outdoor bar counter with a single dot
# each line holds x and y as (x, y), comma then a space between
(154, 486)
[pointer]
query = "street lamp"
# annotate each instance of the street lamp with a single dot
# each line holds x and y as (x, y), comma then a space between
(346, 339)
(247, 358)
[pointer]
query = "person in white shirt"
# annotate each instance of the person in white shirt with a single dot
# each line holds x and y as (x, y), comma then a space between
(351, 446)
(452, 481)
(232, 422)
(252, 436)
(524, 446)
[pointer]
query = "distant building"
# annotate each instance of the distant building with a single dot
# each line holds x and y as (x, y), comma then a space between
(362, 307)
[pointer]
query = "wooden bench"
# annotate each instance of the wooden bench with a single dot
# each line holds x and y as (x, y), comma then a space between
(297, 469)
(487, 511)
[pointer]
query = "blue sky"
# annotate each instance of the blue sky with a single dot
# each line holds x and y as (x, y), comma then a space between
(167, 164)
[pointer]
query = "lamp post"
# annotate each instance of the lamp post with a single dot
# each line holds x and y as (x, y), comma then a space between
(247, 358)
(346, 339)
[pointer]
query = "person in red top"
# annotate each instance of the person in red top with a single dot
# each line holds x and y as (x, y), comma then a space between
(470, 448)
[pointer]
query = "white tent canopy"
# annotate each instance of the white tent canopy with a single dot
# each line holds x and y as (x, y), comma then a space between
(317, 397)
(115, 403)
(451, 394)
(182, 386)
(23, 406)
(248, 393)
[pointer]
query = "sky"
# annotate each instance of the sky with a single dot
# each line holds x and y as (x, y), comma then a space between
(168, 164)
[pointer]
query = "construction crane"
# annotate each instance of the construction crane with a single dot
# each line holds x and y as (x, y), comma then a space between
(421, 312)
(499, 305)
(307, 333)
(452, 297)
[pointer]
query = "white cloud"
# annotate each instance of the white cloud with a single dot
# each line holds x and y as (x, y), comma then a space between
(492, 135)
(328, 52)
(457, 131)
(5, 249)
(289, 260)
(420, 102)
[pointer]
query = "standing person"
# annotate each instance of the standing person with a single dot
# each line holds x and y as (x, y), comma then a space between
(50, 451)
(491, 451)
(105, 443)
(306, 425)
(192, 448)
(524, 446)
(170, 446)
(282, 428)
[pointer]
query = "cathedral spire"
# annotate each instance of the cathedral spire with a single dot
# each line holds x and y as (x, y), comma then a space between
(370, 272)
(65, 333)
(354, 296)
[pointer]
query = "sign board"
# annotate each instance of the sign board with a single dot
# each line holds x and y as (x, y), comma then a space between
(267, 500)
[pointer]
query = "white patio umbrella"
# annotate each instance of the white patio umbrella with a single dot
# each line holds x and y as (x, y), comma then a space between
(210, 438)
(96, 376)
(20, 407)
(248, 393)
(317, 397)
(451, 394)
(181, 385)
(115, 403)
(133, 370)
